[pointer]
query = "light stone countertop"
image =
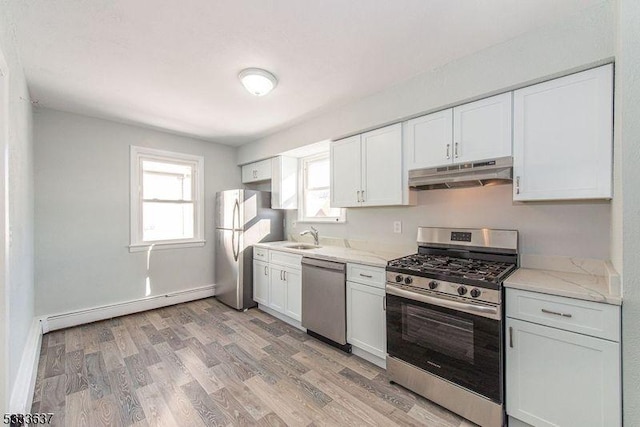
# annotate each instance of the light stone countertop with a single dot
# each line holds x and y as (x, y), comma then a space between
(370, 257)
(584, 286)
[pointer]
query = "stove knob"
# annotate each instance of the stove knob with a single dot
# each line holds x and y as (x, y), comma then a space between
(433, 284)
(398, 278)
(408, 280)
(462, 290)
(475, 292)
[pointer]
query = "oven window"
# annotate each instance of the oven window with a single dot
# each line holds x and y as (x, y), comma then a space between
(460, 347)
(439, 332)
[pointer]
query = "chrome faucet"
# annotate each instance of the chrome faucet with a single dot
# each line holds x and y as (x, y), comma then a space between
(314, 233)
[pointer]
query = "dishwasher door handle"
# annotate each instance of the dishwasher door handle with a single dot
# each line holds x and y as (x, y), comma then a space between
(320, 263)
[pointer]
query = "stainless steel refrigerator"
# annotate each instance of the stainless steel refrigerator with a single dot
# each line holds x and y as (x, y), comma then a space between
(243, 218)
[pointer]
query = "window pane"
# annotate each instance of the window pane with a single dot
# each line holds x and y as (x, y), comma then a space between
(166, 181)
(317, 205)
(318, 173)
(166, 221)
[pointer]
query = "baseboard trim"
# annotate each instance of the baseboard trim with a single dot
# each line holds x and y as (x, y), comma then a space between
(363, 354)
(93, 314)
(22, 393)
(293, 322)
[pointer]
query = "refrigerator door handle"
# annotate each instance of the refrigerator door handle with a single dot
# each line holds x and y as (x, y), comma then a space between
(236, 210)
(233, 245)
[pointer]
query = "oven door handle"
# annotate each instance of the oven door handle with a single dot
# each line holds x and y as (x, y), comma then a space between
(491, 312)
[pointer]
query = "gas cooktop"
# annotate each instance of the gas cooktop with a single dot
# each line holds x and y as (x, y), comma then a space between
(443, 267)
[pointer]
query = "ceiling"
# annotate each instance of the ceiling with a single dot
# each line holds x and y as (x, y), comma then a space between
(174, 65)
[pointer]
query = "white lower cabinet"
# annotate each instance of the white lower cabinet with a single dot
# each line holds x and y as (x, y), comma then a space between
(366, 315)
(261, 282)
(277, 289)
(557, 377)
(366, 322)
(285, 291)
(293, 305)
(277, 284)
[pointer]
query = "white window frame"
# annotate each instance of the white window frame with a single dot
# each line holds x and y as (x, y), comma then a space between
(302, 186)
(138, 154)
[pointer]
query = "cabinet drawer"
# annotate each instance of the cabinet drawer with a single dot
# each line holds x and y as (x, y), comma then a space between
(261, 254)
(367, 275)
(285, 259)
(584, 317)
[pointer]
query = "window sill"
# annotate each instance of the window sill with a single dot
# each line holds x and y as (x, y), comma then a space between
(144, 247)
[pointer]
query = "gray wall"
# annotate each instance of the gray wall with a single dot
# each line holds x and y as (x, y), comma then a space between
(17, 295)
(585, 38)
(82, 213)
(626, 234)
(562, 229)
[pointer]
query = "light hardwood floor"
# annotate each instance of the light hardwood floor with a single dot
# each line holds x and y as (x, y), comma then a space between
(202, 364)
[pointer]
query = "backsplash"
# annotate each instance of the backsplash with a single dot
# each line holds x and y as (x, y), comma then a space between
(569, 229)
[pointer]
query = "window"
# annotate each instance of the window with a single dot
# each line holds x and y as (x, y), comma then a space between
(166, 199)
(315, 203)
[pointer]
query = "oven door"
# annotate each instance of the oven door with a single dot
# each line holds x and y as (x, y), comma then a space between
(455, 340)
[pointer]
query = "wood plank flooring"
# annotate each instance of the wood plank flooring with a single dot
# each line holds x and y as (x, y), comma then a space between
(204, 364)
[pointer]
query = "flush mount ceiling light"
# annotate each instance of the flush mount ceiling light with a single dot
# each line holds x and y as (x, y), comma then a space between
(257, 81)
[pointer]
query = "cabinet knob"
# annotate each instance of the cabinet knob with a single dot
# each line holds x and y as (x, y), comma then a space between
(448, 155)
(517, 185)
(456, 150)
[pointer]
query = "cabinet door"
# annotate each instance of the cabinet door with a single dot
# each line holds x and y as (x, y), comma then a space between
(248, 173)
(366, 321)
(261, 282)
(563, 137)
(559, 378)
(293, 280)
(428, 140)
(277, 289)
(346, 172)
(482, 129)
(284, 183)
(257, 171)
(382, 166)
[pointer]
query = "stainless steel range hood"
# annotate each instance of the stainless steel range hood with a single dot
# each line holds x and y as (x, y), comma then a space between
(484, 173)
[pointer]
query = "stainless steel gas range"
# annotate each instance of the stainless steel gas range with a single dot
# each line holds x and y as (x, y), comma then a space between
(445, 317)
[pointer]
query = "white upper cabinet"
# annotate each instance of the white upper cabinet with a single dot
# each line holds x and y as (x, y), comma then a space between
(479, 130)
(346, 176)
(428, 140)
(284, 183)
(283, 173)
(563, 137)
(366, 169)
(482, 129)
(256, 172)
(382, 167)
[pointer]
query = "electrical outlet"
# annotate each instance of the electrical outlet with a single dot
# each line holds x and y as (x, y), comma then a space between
(397, 226)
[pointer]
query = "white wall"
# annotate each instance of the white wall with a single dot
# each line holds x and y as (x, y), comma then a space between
(82, 213)
(18, 294)
(626, 234)
(585, 38)
(563, 229)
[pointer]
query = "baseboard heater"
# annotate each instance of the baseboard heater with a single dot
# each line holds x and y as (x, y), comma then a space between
(94, 314)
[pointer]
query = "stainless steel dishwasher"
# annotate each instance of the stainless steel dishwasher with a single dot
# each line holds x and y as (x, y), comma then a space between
(324, 301)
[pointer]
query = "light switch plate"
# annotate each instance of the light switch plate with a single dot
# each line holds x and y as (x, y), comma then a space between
(397, 226)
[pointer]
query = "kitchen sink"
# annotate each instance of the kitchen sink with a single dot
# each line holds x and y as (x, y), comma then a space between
(302, 246)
